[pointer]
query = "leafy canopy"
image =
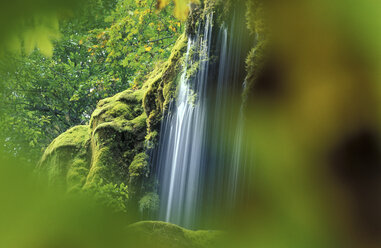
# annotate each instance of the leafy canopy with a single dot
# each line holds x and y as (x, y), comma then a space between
(104, 47)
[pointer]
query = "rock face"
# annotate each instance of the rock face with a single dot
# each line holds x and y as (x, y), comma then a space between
(112, 148)
(69, 156)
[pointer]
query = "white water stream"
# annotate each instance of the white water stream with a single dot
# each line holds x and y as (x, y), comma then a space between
(196, 162)
(183, 137)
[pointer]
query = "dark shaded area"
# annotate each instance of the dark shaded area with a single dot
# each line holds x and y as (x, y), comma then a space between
(356, 162)
(269, 81)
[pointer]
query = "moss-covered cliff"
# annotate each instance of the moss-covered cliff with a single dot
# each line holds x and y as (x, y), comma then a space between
(112, 148)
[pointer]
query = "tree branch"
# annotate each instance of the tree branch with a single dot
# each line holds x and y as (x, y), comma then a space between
(152, 41)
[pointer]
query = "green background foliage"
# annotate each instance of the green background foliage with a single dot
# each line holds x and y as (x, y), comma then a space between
(98, 48)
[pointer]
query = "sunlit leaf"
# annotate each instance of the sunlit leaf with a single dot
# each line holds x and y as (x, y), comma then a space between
(181, 9)
(41, 35)
(162, 3)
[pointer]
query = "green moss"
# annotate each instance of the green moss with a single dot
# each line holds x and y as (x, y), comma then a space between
(140, 121)
(160, 234)
(114, 196)
(112, 149)
(151, 137)
(118, 109)
(74, 138)
(76, 176)
(101, 153)
(149, 204)
(254, 64)
(192, 71)
(256, 58)
(255, 17)
(67, 156)
(161, 87)
(103, 167)
(138, 168)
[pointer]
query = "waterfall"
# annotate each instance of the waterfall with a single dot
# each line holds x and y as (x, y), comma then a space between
(197, 165)
(183, 136)
(224, 158)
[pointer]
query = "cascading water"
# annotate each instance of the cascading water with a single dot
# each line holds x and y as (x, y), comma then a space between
(225, 137)
(183, 138)
(196, 163)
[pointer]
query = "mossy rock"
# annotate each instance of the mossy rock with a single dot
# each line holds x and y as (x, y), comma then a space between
(118, 111)
(138, 167)
(161, 88)
(112, 148)
(67, 158)
(118, 133)
(165, 235)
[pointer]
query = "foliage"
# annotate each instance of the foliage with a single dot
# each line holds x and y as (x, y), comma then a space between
(138, 37)
(105, 47)
(114, 196)
(26, 25)
(149, 203)
(182, 7)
